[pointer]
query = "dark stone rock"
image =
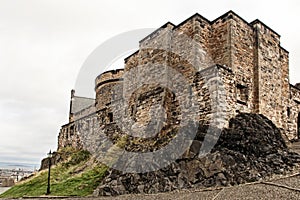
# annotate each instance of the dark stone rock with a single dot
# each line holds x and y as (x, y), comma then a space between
(251, 149)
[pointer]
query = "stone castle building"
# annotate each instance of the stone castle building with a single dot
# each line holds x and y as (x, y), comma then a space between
(248, 59)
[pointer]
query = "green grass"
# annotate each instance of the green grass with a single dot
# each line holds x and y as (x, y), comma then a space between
(76, 177)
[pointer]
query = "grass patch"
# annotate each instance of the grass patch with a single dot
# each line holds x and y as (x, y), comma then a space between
(76, 177)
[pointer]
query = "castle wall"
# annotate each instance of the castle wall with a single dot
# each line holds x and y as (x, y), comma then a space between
(191, 41)
(107, 87)
(293, 113)
(79, 106)
(68, 137)
(227, 93)
(285, 98)
(242, 59)
(85, 131)
(215, 96)
(272, 75)
(84, 112)
(220, 42)
(228, 64)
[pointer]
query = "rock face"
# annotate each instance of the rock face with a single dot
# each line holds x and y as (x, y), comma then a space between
(251, 149)
(56, 157)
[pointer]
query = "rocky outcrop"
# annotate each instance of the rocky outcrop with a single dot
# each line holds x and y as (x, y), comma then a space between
(251, 149)
(57, 157)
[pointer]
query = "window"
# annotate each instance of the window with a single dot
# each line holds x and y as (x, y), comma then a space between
(113, 95)
(242, 94)
(110, 117)
(72, 130)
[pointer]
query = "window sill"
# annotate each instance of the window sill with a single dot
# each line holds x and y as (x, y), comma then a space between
(241, 102)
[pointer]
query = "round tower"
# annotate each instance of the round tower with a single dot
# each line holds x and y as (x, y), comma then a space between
(105, 87)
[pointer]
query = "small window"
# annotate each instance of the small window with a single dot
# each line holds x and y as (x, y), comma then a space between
(72, 130)
(133, 111)
(110, 117)
(288, 111)
(242, 94)
(113, 95)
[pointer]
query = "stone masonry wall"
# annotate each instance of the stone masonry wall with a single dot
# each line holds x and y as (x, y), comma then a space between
(241, 65)
(220, 41)
(68, 137)
(284, 62)
(242, 58)
(105, 87)
(293, 113)
(84, 112)
(271, 75)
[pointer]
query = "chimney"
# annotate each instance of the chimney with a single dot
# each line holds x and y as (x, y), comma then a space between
(71, 119)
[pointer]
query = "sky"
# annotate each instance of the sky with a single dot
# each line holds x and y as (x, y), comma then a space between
(44, 43)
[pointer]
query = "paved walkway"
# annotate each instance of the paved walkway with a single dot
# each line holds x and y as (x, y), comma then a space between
(284, 188)
(3, 189)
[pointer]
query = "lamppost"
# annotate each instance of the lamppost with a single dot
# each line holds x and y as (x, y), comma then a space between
(49, 169)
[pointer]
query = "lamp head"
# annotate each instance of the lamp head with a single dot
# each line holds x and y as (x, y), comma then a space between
(50, 154)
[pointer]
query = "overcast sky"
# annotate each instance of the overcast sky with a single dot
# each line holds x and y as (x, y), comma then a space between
(43, 44)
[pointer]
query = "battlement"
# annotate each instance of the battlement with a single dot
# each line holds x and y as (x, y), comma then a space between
(264, 28)
(152, 35)
(217, 37)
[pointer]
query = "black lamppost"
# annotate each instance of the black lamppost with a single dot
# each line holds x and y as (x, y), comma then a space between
(49, 169)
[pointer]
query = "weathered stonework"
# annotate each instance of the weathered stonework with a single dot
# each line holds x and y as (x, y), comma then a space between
(247, 57)
(293, 114)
